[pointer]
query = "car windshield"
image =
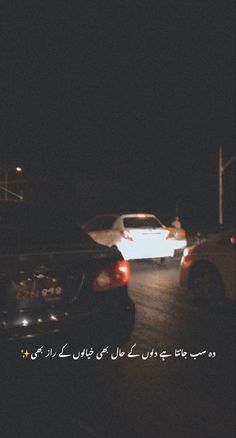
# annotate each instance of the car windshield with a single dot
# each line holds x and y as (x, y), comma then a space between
(142, 222)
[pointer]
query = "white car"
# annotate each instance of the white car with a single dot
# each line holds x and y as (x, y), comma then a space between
(137, 236)
(208, 269)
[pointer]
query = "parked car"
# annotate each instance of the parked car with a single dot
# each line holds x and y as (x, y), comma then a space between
(137, 236)
(208, 268)
(55, 279)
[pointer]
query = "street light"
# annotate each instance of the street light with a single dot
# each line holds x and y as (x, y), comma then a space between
(5, 188)
(222, 168)
(19, 169)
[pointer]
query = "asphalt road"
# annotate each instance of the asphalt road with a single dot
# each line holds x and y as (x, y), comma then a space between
(136, 395)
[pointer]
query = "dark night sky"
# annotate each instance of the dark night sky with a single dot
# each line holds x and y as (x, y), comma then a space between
(121, 104)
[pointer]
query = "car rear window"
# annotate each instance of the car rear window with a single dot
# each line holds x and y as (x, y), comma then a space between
(37, 230)
(141, 222)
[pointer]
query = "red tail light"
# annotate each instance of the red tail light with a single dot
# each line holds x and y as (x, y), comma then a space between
(112, 276)
(126, 235)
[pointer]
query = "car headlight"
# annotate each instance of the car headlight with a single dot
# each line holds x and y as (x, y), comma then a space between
(186, 259)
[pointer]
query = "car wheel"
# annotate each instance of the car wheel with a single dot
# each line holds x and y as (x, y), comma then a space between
(206, 285)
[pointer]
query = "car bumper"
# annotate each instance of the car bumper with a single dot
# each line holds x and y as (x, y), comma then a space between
(136, 251)
(71, 322)
(178, 244)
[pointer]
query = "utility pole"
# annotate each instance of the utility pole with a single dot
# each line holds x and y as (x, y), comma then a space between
(222, 168)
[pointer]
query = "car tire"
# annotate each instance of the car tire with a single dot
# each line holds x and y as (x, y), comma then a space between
(206, 285)
(159, 260)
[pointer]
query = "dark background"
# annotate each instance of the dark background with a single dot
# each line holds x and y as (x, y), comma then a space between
(120, 106)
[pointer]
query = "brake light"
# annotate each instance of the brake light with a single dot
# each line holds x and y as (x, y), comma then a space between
(126, 235)
(112, 276)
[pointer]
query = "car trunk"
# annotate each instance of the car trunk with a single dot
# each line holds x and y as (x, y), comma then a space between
(47, 291)
(147, 234)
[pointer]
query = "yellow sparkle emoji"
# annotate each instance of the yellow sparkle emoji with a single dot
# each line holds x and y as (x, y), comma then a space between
(25, 353)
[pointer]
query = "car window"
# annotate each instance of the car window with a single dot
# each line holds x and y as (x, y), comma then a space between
(141, 222)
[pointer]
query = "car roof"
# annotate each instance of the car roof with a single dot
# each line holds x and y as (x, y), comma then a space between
(140, 215)
(116, 215)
